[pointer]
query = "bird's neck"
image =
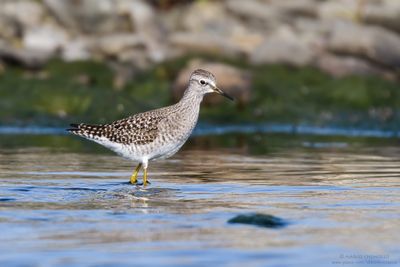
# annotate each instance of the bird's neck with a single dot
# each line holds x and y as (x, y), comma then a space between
(188, 108)
(191, 98)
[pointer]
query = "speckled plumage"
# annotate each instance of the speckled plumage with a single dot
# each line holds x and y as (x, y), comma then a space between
(154, 134)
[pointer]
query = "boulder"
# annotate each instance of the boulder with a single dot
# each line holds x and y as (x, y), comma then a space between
(206, 43)
(211, 20)
(46, 38)
(259, 219)
(345, 10)
(296, 8)
(113, 44)
(141, 14)
(89, 16)
(146, 24)
(10, 29)
(26, 13)
(207, 17)
(17, 16)
(283, 46)
(233, 81)
(77, 49)
(372, 42)
(340, 66)
(312, 26)
(28, 58)
(254, 11)
(384, 13)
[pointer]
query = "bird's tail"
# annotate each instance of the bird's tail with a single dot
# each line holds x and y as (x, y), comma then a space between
(86, 130)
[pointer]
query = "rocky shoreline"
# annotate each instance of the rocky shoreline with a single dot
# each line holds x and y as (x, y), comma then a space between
(301, 62)
(339, 37)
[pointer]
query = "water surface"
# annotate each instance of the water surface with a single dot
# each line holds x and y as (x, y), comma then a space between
(66, 202)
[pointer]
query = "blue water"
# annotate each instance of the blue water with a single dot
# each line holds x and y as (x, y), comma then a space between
(65, 202)
(235, 129)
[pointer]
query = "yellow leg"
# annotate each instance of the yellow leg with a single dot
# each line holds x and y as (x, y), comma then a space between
(144, 176)
(135, 174)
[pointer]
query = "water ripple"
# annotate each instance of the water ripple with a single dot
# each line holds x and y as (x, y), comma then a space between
(60, 205)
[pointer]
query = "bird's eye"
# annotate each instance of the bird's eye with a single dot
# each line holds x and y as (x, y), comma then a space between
(202, 82)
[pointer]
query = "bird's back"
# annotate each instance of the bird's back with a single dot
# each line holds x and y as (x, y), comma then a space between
(140, 128)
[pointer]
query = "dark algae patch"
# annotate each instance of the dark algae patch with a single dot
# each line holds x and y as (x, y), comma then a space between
(259, 219)
(61, 93)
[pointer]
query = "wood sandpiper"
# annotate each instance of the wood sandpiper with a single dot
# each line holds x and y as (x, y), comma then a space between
(155, 134)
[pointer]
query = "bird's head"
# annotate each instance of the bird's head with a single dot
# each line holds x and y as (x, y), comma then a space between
(204, 82)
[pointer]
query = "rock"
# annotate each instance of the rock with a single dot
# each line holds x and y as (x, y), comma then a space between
(312, 34)
(233, 81)
(26, 57)
(340, 66)
(89, 16)
(374, 43)
(76, 49)
(307, 25)
(207, 17)
(13, 22)
(46, 38)
(269, 15)
(258, 219)
(383, 13)
(340, 10)
(114, 44)
(212, 20)
(283, 46)
(10, 29)
(246, 43)
(193, 42)
(61, 11)
(26, 13)
(297, 8)
(141, 14)
(147, 26)
(118, 25)
(253, 11)
(135, 34)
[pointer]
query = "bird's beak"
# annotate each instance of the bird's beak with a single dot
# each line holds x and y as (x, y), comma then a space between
(219, 91)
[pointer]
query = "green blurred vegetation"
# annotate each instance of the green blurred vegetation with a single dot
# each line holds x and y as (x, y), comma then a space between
(255, 144)
(83, 91)
(80, 91)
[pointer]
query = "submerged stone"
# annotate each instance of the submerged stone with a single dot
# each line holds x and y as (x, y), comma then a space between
(7, 199)
(258, 219)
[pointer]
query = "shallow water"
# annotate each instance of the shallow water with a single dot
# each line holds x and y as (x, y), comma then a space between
(66, 202)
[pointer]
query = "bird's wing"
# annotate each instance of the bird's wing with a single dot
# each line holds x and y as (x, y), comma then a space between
(139, 129)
